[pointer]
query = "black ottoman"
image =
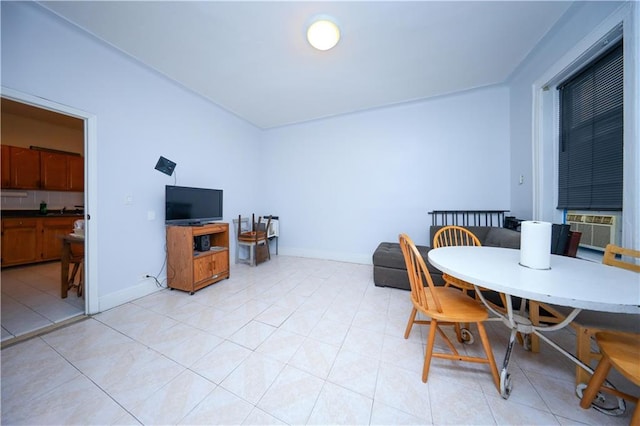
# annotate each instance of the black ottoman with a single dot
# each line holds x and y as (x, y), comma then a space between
(389, 269)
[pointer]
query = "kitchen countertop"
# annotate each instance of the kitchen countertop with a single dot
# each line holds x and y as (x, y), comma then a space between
(36, 213)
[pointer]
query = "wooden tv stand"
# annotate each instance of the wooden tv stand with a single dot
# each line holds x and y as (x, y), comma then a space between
(190, 270)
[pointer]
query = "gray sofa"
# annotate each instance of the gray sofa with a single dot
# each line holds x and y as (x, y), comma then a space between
(389, 269)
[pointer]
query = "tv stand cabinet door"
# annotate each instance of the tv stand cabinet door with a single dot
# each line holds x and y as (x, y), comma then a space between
(220, 264)
(202, 269)
(209, 269)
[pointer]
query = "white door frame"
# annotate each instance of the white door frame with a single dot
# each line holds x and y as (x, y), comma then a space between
(90, 191)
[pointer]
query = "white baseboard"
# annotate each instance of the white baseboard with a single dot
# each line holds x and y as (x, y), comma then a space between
(365, 259)
(147, 287)
(127, 295)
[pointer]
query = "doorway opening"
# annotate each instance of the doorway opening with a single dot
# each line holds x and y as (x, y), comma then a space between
(31, 275)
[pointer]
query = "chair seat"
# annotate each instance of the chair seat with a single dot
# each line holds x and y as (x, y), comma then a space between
(456, 306)
(619, 350)
(622, 350)
(251, 237)
(457, 282)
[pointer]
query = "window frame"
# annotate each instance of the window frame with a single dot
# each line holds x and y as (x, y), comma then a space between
(624, 19)
(580, 183)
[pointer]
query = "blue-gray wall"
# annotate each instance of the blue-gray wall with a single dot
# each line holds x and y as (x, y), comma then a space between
(340, 185)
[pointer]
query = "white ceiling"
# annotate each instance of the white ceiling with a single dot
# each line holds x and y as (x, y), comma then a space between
(252, 58)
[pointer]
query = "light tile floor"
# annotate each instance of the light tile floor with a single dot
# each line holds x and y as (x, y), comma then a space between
(292, 341)
(31, 299)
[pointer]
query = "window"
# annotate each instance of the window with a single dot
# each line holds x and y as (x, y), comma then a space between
(591, 135)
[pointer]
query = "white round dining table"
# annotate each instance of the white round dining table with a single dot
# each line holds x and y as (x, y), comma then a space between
(572, 282)
(569, 282)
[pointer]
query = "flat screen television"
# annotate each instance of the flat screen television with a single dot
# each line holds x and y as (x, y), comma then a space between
(192, 206)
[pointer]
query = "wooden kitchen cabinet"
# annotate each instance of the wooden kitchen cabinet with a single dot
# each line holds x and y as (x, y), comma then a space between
(76, 173)
(32, 240)
(51, 229)
(54, 171)
(6, 166)
(20, 242)
(190, 270)
(24, 168)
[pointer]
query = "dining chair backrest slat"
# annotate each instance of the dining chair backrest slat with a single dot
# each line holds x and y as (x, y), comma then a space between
(418, 273)
(454, 236)
(610, 253)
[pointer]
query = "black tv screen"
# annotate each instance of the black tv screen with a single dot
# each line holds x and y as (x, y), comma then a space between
(192, 206)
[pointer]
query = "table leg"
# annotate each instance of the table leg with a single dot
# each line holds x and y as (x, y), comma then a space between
(520, 323)
(517, 323)
(505, 377)
(64, 268)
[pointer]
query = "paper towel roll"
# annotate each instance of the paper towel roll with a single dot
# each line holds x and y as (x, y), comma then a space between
(535, 244)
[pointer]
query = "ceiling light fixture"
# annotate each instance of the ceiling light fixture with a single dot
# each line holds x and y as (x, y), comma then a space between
(323, 34)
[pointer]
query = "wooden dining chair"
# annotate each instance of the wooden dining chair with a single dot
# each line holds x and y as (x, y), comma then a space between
(620, 351)
(586, 323)
(256, 239)
(76, 263)
(445, 306)
(454, 235)
(612, 252)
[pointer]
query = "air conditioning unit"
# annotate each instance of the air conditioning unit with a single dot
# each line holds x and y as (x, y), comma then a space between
(597, 230)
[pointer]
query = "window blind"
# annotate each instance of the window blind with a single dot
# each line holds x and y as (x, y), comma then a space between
(591, 135)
